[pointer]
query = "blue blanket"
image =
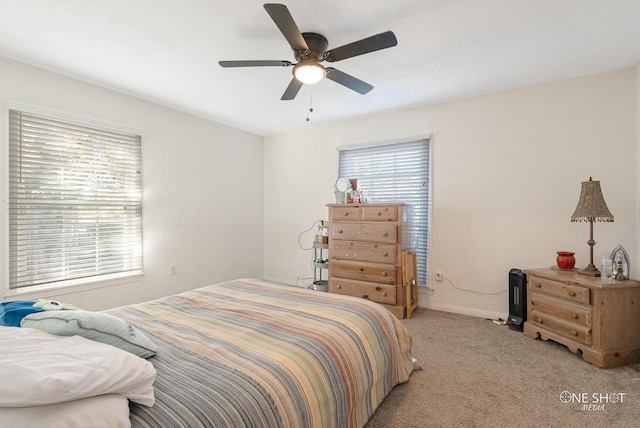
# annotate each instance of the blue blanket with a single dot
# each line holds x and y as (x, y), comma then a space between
(11, 313)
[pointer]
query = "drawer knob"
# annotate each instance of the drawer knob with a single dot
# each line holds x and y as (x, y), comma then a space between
(384, 293)
(346, 214)
(539, 320)
(574, 333)
(338, 286)
(365, 296)
(385, 254)
(574, 315)
(379, 213)
(385, 234)
(340, 231)
(384, 274)
(537, 285)
(572, 293)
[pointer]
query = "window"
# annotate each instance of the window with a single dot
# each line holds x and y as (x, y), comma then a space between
(75, 200)
(396, 173)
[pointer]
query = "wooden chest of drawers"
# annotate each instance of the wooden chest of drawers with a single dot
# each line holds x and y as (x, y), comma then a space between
(365, 248)
(600, 319)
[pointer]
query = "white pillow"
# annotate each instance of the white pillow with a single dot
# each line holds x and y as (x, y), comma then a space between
(39, 369)
(98, 326)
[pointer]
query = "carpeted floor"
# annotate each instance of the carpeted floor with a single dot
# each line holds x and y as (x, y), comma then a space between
(479, 374)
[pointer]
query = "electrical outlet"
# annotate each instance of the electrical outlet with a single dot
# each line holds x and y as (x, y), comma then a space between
(429, 291)
(439, 276)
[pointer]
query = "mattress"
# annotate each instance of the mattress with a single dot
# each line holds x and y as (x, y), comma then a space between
(248, 353)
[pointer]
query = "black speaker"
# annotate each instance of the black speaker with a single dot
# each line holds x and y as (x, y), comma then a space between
(517, 299)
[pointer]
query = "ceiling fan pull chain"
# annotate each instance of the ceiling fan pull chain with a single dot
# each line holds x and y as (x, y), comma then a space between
(310, 102)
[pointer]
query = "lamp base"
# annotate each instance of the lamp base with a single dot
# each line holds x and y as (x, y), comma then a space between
(590, 270)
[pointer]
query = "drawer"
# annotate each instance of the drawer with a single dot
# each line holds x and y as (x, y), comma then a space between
(562, 310)
(381, 213)
(380, 293)
(568, 292)
(366, 232)
(363, 252)
(364, 271)
(573, 331)
(346, 213)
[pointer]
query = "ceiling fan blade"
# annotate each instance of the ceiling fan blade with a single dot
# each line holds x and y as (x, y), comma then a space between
(283, 19)
(292, 90)
(348, 80)
(370, 44)
(256, 63)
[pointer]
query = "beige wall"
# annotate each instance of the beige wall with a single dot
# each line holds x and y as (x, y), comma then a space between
(202, 183)
(635, 258)
(507, 169)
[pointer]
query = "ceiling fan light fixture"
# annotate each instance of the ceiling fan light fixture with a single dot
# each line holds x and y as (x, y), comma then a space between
(309, 73)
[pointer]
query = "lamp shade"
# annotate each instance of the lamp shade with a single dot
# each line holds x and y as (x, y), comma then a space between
(309, 72)
(591, 205)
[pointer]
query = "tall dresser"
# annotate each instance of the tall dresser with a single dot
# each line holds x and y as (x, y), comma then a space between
(365, 252)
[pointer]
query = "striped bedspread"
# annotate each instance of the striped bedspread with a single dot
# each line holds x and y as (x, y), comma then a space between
(248, 353)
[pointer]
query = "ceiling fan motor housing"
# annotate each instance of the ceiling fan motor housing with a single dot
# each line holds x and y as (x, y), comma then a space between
(317, 44)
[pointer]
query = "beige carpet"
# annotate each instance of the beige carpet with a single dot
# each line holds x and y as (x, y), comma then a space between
(479, 374)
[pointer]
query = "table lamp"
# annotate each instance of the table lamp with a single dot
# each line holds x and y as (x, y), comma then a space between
(591, 207)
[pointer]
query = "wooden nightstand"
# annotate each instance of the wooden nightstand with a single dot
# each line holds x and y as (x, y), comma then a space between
(599, 318)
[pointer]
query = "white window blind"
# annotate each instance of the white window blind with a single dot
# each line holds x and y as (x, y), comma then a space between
(75, 201)
(396, 173)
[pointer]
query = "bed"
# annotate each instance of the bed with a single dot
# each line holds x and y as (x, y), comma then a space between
(249, 353)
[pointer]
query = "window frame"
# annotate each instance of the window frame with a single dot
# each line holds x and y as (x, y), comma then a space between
(425, 211)
(94, 280)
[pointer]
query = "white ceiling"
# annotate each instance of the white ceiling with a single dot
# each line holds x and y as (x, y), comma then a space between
(167, 51)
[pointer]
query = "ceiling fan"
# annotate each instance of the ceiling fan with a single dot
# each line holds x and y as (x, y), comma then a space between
(310, 49)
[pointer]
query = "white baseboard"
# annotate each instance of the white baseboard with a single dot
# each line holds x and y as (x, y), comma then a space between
(283, 281)
(464, 310)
